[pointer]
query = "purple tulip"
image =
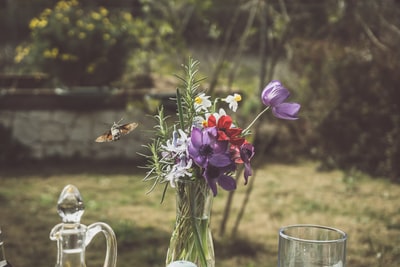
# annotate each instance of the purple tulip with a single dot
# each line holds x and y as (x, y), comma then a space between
(274, 95)
(286, 111)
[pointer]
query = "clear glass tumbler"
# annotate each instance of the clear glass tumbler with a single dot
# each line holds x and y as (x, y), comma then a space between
(305, 245)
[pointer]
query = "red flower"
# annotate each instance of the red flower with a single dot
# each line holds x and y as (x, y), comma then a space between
(225, 130)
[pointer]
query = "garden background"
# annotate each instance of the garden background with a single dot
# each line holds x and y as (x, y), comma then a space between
(337, 165)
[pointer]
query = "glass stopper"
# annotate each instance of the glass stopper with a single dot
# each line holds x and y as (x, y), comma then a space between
(70, 205)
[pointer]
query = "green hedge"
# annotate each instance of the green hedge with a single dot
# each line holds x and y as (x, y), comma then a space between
(82, 46)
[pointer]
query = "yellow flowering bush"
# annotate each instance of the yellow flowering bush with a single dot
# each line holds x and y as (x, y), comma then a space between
(80, 46)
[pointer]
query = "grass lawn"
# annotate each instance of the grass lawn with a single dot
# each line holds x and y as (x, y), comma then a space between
(367, 209)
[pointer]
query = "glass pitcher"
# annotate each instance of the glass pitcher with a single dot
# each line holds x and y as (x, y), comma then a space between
(3, 261)
(72, 237)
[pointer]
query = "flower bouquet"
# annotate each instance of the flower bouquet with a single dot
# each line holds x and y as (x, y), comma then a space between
(199, 153)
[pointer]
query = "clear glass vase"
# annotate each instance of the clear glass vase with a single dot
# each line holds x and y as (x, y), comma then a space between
(191, 239)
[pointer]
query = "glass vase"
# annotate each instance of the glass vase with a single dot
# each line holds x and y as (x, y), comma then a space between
(191, 239)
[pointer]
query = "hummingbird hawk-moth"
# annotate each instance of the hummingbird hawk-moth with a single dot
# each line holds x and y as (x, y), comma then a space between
(117, 130)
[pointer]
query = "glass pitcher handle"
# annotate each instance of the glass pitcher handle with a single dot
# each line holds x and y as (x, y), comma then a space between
(111, 240)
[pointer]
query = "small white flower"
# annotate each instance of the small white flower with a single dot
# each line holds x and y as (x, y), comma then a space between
(180, 169)
(199, 121)
(202, 102)
(178, 143)
(221, 112)
(233, 100)
(180, 140)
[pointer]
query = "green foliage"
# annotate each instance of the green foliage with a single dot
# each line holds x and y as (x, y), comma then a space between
(349, 76)
(345, 54)
(180, 16)
(362, 130)
(15, 16)
(83, 46)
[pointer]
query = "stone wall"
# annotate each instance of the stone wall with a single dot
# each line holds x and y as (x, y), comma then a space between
(71, 134)
(45, 122)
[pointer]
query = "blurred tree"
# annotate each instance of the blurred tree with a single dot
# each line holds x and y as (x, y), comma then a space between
(15, 16)
(349, 64)
(344, 55)
(274, 30)
(346, 58)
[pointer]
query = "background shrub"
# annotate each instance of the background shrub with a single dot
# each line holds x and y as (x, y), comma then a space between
(82, 46)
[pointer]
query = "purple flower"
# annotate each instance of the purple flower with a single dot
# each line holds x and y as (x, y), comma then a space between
(204, 148)
(213, 156)
(274, 95)
(246, 153)
(218, 175)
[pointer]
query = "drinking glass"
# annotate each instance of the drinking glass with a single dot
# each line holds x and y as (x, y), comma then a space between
(311, 246)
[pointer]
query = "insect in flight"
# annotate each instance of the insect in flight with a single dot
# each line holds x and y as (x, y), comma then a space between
(116, 131)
